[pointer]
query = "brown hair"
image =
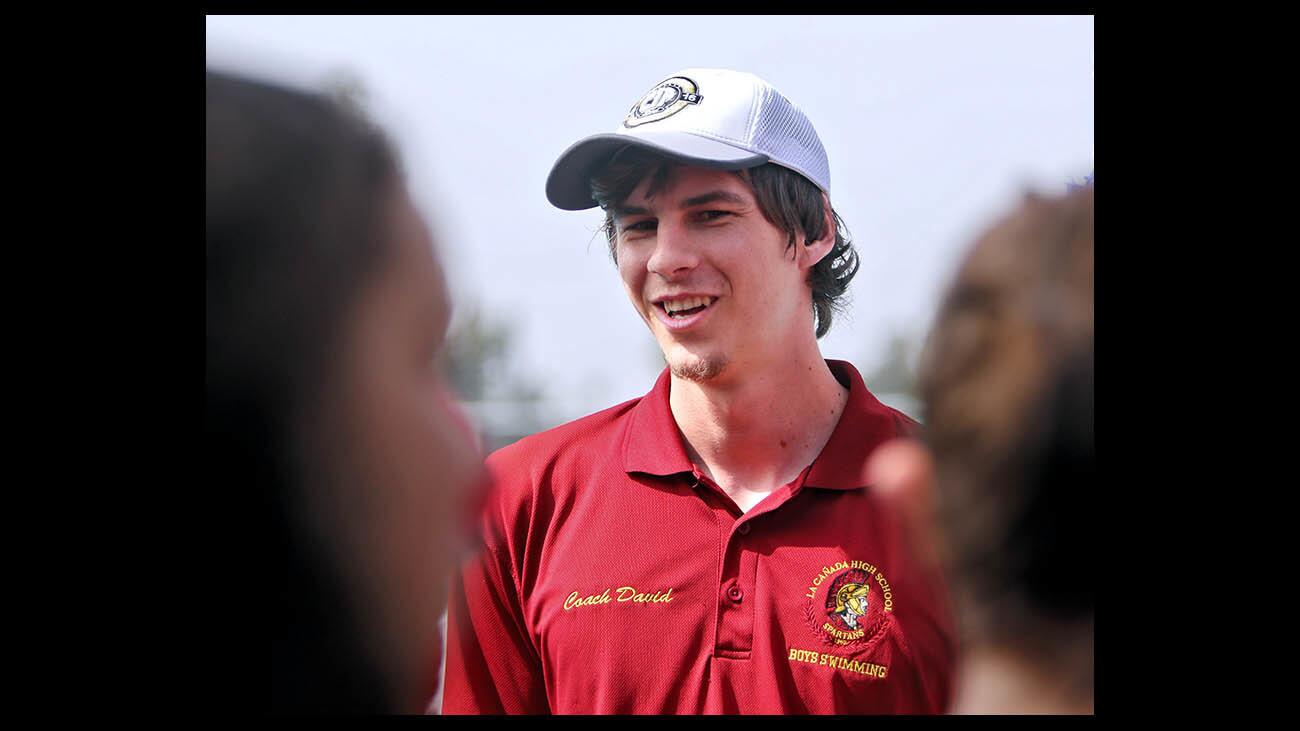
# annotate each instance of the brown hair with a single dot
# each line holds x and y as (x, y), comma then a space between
(1007, 383)
(787, 199)
(296, 185)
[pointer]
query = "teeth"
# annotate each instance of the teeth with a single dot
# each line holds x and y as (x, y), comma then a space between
(685, 303)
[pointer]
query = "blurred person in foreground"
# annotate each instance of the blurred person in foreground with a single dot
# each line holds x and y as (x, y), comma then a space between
(1002, 485)
(326, 311)
(712, 547)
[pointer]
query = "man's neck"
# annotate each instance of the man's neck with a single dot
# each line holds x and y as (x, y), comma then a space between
(755, 431)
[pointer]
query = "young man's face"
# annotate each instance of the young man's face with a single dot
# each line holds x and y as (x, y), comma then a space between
(712, 278)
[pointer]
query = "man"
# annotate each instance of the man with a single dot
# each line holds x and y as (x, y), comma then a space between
(683, 552)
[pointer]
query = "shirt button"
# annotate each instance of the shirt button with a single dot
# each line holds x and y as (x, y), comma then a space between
(743, 529)
(735, 594)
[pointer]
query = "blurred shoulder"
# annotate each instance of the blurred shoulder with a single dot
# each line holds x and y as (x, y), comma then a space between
(564, 449)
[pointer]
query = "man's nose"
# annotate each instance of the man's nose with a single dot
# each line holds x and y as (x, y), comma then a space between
(674, 253)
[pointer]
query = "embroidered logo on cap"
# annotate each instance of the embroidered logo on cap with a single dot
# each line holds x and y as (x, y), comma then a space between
(847, 603)
(667, 98)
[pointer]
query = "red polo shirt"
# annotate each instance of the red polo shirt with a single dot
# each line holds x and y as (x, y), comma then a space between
(619, 579)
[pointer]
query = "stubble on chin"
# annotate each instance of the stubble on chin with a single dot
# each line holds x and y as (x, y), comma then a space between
(698, 370)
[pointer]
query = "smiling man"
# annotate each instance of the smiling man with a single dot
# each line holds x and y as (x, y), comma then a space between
(689, 551)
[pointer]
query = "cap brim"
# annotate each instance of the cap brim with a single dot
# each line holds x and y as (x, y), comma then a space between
(568, 187)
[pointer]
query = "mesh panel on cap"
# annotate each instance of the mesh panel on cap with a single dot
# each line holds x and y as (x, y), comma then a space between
(786, 135)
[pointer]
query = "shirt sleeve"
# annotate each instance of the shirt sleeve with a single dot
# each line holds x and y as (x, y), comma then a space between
(492, 664)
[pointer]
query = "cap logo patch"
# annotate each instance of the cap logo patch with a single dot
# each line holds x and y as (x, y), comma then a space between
(667, 98)
(848, 603)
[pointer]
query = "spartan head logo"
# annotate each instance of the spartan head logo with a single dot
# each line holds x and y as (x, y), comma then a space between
(846, 599)
(667, 98)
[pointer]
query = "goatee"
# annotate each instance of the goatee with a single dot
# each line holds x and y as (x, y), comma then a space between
(698, 369)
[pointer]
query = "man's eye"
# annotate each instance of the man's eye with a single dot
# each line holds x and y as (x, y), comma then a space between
(647, 225)
(714, 215)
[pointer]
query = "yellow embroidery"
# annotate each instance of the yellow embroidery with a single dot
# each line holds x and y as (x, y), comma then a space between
(574, 601)
(624, 594)
(856, 634)
(844, 565)
(839, 663)
(828, 570)
(889, 597)
(627, 593)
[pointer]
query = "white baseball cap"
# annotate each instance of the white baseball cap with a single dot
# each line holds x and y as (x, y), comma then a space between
(714, 118)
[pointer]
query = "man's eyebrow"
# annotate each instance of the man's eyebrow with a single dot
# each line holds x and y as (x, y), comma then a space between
(622, 211)
(711, 197)
(698, 200)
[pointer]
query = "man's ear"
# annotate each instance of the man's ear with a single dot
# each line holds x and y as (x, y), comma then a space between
(817, 250)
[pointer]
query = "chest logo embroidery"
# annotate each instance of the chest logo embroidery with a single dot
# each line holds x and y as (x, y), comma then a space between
(847, 602)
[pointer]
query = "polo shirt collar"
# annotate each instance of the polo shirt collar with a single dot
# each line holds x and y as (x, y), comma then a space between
(653, 443)
(865, 424)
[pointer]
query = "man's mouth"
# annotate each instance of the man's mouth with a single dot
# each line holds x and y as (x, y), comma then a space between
(683, 307)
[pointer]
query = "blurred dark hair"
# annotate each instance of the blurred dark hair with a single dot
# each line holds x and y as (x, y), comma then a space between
(296, 188)
(1007, 382)
(787, 199)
